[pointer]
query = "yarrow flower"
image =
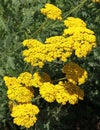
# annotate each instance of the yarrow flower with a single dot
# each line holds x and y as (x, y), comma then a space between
(82, 38)
(25, 78)
(74, 22)
(47, 91)
(77, 39)
(25, 114)
(21, 89)
(20, 94)
(54, 47)
(61, 92)
(68, 92)
(74, 73)
(18, 91)
(52, 12)
(11, 82)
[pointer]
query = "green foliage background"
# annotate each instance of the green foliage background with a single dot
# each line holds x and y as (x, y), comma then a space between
(21, 19)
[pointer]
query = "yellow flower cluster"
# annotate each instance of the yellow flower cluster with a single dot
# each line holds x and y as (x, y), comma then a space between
(55, 47)
(17, 91)
(74, 22)
(82, 38)
(25, 114)
(22, 85)
(96, 1)
(76, 38)
(68, 92)
(34, 53)
(74, 73)
(61, 92)
(25, 78)
(20, 90)
(52, 12)
(47, 91)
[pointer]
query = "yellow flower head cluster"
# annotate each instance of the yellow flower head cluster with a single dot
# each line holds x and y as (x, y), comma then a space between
(25, 114)
(74, 22)
(68, 92)
(34, 53)
(47, 92)
(18, 91)
(60, 47)
(98, 1)
(55, 47)
(11, 82)
(52, 12)
(82, 38)
(25, 78)
(74, 73)
(20, 94)
(77, 38)
(61, 92)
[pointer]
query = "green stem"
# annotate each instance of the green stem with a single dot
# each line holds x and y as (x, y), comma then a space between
(60, 79)
(59, 108)
(76, 8)
(44, 23)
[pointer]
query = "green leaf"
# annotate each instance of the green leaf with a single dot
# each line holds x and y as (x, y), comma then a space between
(2, 72)
(10, 62)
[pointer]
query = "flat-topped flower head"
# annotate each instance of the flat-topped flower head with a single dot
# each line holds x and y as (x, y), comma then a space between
(82, 38)
(76, 22)
(47, 91)
(52, 12)
(25, 114)
(74, 73)
(68, 92)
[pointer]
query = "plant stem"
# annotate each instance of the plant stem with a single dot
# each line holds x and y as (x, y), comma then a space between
(44, 23)
(59, 108)
(60, 79)
(76, 8)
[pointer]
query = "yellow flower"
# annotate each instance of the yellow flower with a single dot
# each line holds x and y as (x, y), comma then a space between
(74, 22)
(52, 12)
(25, 78)
(11, 82)
(74, 91)
(81, 38)
(74, 73)
(81, 80)
(47, 91)
(25, 114)
(30, 43)
(68, 92)
(18, 88)
(61, 94)
(54, 47)
(20, 94)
